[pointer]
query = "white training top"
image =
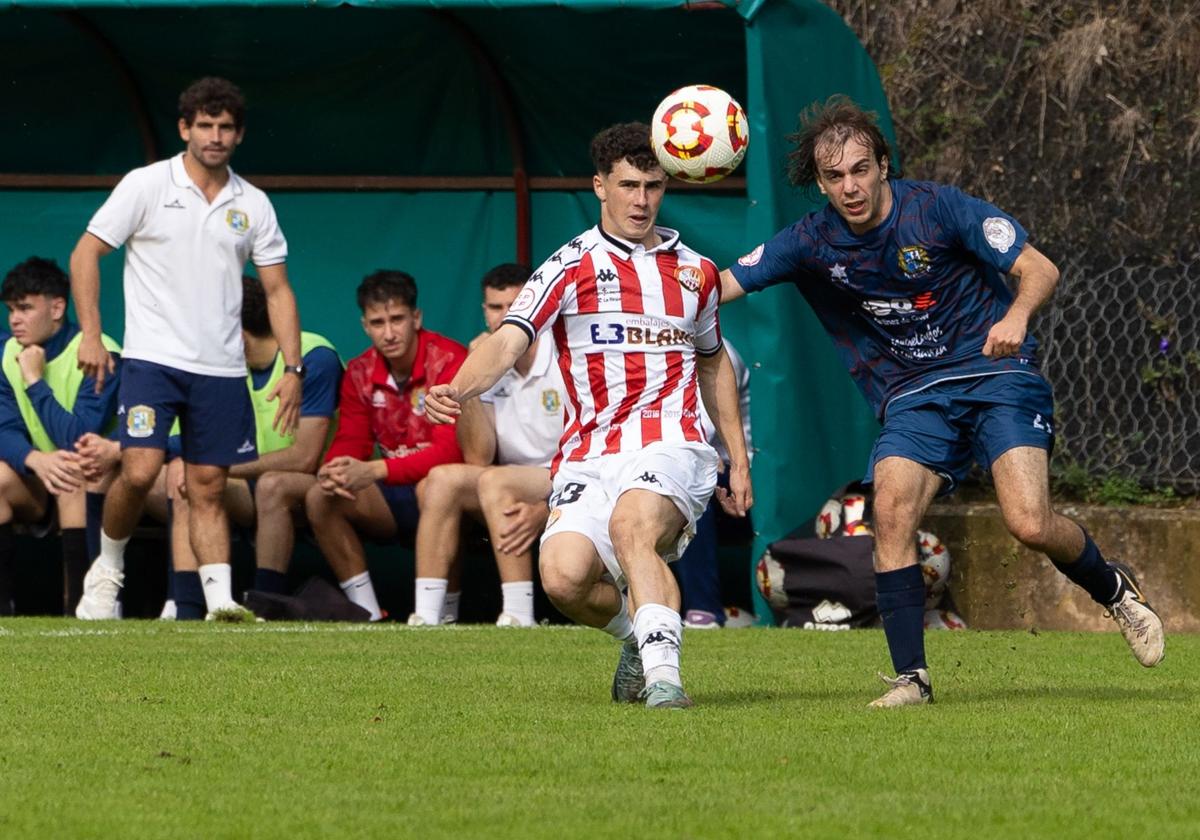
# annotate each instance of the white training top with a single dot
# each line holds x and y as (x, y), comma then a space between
(183, 264)
(529, 410)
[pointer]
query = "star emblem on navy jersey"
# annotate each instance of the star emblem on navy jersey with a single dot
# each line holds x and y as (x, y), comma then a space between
(838, 272)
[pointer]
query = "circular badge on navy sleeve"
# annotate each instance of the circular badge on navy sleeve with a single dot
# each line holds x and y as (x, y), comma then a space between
(999, 233)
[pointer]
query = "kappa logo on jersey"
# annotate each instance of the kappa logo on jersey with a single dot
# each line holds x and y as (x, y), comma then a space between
(418, 402)
(649, 478)
(525, 299)
(238, 221)
(689, 277)
(899, 306)
(999, 233)
(551, 401)
(139, 422)
(621, 334)
(606, 275)
(913, 260)
(752, 258)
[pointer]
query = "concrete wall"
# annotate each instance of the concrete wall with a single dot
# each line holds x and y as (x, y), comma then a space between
(998, 584)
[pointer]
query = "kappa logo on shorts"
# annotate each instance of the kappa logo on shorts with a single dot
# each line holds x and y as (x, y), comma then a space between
(649, 478)
(139, 422)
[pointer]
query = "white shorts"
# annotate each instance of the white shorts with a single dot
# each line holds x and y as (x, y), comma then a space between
(585, 493)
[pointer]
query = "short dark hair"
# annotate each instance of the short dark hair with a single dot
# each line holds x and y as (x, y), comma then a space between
(835, 120)
(624, 141)
(212, 95)
(387, 284)
(35, 276)
(506, 275)
(255, 319)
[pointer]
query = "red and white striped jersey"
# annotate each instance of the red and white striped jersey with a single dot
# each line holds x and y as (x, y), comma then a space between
(627, 322)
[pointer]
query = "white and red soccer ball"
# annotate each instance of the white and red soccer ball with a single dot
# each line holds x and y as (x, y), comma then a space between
(935, 567)
(944, 620)
(699, 133)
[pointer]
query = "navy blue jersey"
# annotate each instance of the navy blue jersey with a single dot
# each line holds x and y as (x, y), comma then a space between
(910, 302)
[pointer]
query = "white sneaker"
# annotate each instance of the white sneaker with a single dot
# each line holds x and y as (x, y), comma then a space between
(510, 620)
(415, 620)
(169, 612)
(907, 689)
(101, 585)
(1139, 623)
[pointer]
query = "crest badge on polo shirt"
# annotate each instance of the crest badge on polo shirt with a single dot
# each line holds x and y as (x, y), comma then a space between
(551, 401)
(690, 277)
(139, 421)
(418, 402)
(238, 221)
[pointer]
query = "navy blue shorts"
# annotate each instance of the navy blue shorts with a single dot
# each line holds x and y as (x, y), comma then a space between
(402, 502)
(948, 426)
(215, 416)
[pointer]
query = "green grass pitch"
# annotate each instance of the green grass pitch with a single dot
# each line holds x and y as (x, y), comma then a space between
(144, 729)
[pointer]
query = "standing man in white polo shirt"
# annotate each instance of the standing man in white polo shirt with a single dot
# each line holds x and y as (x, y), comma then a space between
(188, 224)
(508, 438)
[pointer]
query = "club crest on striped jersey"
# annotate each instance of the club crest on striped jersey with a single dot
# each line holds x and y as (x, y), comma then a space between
(690, 277)
(418, 402)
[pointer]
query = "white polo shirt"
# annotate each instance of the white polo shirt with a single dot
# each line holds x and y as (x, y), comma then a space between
(183, 264)
(529, 410)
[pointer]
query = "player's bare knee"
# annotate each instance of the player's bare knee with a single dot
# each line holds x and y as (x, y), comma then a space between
(318, 504)
(493, 489)
(895, 514)
(1031, 527)
(563, 581)
(270, 491)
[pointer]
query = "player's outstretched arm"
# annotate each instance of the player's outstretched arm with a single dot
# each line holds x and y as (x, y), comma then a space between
(94, 359)
(731, 289)
(1037, 277)
(719, 391)
(483, 367)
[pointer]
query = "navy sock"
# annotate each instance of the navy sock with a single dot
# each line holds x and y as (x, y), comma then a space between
(900, 596)
(189, 597)
(95, 515)
(75, 566)
(269, 580)
(1091, 572)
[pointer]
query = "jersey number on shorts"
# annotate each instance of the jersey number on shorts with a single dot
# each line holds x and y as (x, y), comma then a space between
(571, 492)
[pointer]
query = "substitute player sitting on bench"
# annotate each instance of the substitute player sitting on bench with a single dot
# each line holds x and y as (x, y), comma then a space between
(382, 409)
(46, 405)
(516, 424)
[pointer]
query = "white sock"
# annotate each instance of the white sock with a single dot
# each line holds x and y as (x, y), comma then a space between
(216, 579)
(430, 599)
(518, 600)
(112, 552)
(360, 591)
(450, 607)
(659, 633)
(621, 628)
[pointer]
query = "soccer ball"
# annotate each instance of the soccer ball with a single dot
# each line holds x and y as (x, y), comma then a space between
(935, 567)
(735, 617)
(944, 620)
(829, 520)
(843, 516)
(770, 581)
(699, 134)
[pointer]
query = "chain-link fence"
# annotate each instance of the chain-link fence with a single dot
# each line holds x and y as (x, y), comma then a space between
(1121, 346)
